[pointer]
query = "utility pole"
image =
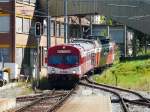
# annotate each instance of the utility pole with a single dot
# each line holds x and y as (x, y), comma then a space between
(91, 27)
(48, 26)
(81, 30)
(108, 31)
(134, 44)
(145, 37)
(125, 41)
(65, 22)
(38, 65)
(37, 35)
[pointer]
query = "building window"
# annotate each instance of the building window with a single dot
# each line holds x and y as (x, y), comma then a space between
(4, 24)
(117, 35)
(22, 25)
(4, 0)
(5, 54)
(19, 0)
(19, 24)
(62, 30)
(32, 1)
(52, 28)
(57, 30)
(26, 25)
(19, 56)
(23, 56)
(27, 1)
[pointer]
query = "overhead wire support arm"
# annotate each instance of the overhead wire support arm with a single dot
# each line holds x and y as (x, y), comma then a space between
(65, 21)
(48, 26)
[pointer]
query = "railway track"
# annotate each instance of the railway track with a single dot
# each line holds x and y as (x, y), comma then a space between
(141, 98)
(107, 90)
(47, 102)
(49, 94)
(142, 101)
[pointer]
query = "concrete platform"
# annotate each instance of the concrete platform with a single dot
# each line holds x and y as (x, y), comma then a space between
(87, 104)
(6, 104)
(8, 86)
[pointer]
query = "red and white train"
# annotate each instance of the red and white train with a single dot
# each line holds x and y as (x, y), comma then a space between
(70, 62)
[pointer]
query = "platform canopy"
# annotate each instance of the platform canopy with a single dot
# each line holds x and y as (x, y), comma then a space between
(133, 13)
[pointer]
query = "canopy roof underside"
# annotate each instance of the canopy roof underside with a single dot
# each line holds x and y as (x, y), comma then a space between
(133, 13)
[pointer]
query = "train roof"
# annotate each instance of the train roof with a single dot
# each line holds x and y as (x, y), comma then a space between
(86, 45)
(82, 45)
(89, 41)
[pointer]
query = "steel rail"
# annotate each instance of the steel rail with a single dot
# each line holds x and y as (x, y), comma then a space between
(61, 101)
(51, 107)
(120, 89)
(120, 98)
(137, 102)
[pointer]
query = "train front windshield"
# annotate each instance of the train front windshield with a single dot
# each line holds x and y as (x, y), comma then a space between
(63, 59)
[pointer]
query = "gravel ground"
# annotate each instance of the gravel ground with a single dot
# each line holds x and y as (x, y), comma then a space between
(14, 91)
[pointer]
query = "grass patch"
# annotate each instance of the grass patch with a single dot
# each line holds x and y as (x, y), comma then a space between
(132, 75)
(25, 88)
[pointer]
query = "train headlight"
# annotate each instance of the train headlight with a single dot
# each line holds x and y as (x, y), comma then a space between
(53, 71)
(74, 72)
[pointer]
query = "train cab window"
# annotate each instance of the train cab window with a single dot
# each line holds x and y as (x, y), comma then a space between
(56, 59)
(63, 59)
(72, 59)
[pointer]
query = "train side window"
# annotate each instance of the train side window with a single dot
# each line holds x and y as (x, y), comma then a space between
(106, 50)
(93, 59)
(88, 55)
(93, 55)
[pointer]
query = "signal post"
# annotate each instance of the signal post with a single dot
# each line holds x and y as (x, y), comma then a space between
(38, 30)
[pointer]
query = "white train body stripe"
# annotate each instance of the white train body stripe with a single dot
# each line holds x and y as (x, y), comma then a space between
(79, 70)
(72, 70)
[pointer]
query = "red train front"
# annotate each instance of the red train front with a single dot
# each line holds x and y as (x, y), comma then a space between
(67, 63)
(63, 61)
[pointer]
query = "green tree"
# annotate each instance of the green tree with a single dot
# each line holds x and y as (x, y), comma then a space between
(105, 20)
(104, 32)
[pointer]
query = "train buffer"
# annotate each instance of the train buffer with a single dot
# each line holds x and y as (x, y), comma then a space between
(87, 104)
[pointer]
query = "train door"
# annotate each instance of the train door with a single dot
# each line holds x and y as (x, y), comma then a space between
(110, 55)
(93, 59)
(104, 55)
